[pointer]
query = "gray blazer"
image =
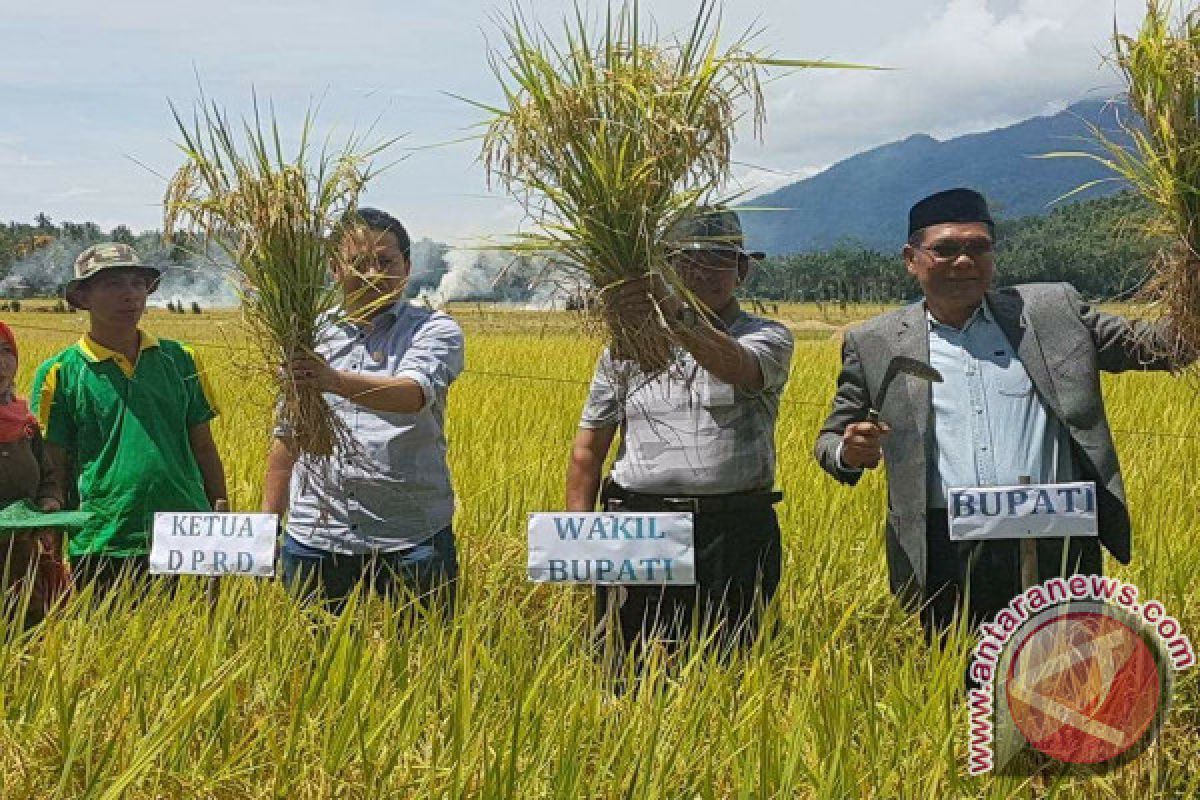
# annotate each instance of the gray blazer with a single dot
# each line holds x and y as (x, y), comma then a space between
(1063, 344)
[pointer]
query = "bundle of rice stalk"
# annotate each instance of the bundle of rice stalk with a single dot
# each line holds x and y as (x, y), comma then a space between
(273, 215)
(611, 136)
(1161, 66)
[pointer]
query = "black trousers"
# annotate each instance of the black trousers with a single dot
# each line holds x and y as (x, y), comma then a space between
(737, 573)
(981, 578)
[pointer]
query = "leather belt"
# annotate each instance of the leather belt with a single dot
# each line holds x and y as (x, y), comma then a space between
(617, 498)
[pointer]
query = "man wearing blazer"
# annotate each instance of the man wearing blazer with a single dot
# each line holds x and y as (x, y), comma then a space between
(1020, 396)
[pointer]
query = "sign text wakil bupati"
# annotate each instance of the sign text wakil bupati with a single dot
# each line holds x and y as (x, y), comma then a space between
(1022, 512)
(198, 543)
(600, 548)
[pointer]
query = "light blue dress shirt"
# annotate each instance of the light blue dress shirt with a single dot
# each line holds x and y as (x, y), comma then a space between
(393, 491)
(990, 426)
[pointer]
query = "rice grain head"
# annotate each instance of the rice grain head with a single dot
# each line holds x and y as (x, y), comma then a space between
(272, 214)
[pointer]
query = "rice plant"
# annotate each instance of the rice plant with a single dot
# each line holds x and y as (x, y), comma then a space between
(610, 135)
(273, 214)
(262, 698)
(1160, 65)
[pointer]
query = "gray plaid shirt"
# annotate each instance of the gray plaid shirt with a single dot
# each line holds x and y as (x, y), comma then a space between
(394, 492)
(686, 432)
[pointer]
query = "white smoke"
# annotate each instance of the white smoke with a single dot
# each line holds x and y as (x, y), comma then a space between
(191, 278)
(471, 275)
(440, 275)
(42, 272)
(203, 279)
(497, 276)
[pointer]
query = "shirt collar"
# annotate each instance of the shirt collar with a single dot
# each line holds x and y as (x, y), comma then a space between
(94, 351)
(383, 319)
(728, 315)
(984, 311)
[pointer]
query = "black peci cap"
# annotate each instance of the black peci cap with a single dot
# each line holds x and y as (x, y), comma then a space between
(952, 205)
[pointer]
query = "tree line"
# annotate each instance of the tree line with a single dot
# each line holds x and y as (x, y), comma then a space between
(37, 257)
(1096, 245)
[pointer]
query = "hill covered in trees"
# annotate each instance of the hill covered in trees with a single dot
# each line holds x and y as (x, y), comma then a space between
(865, 198)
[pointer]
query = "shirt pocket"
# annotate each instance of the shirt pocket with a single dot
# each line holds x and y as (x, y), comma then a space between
(1014, 381)
(715, 393)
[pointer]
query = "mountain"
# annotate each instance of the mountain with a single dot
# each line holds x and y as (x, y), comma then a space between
(865, 199)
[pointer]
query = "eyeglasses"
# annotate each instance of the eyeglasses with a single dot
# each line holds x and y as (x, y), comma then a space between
(705, 261)
(951, 250)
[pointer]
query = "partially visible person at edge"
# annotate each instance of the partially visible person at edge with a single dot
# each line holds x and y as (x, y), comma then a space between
(126, 415)
(1020, 398)
(699, 437)
(381, 514)
(32, 560)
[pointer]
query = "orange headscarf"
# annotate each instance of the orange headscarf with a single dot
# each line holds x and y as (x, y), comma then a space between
(16, 422)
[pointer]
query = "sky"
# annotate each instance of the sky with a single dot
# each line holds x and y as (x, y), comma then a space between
(86, 130)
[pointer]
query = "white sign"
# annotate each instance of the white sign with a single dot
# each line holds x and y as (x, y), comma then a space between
(213, 544)
(652, 548)
(1022, 512)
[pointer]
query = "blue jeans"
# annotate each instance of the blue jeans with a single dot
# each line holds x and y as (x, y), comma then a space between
(429, 571)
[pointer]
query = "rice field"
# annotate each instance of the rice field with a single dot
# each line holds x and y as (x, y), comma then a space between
(259, 698)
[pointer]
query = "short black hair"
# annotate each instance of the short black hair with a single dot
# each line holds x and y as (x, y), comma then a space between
(380, 221)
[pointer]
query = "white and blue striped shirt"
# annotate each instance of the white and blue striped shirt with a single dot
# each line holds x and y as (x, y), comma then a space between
(686, 431)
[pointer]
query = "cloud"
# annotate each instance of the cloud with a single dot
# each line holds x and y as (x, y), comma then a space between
(12, 156)
(970, 65)
(71, 87)
(74, 191)
(749, 180)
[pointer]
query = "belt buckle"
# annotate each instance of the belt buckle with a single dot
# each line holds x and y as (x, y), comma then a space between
(692, 504)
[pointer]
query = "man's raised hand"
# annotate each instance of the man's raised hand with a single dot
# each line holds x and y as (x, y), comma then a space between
(862, 444)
